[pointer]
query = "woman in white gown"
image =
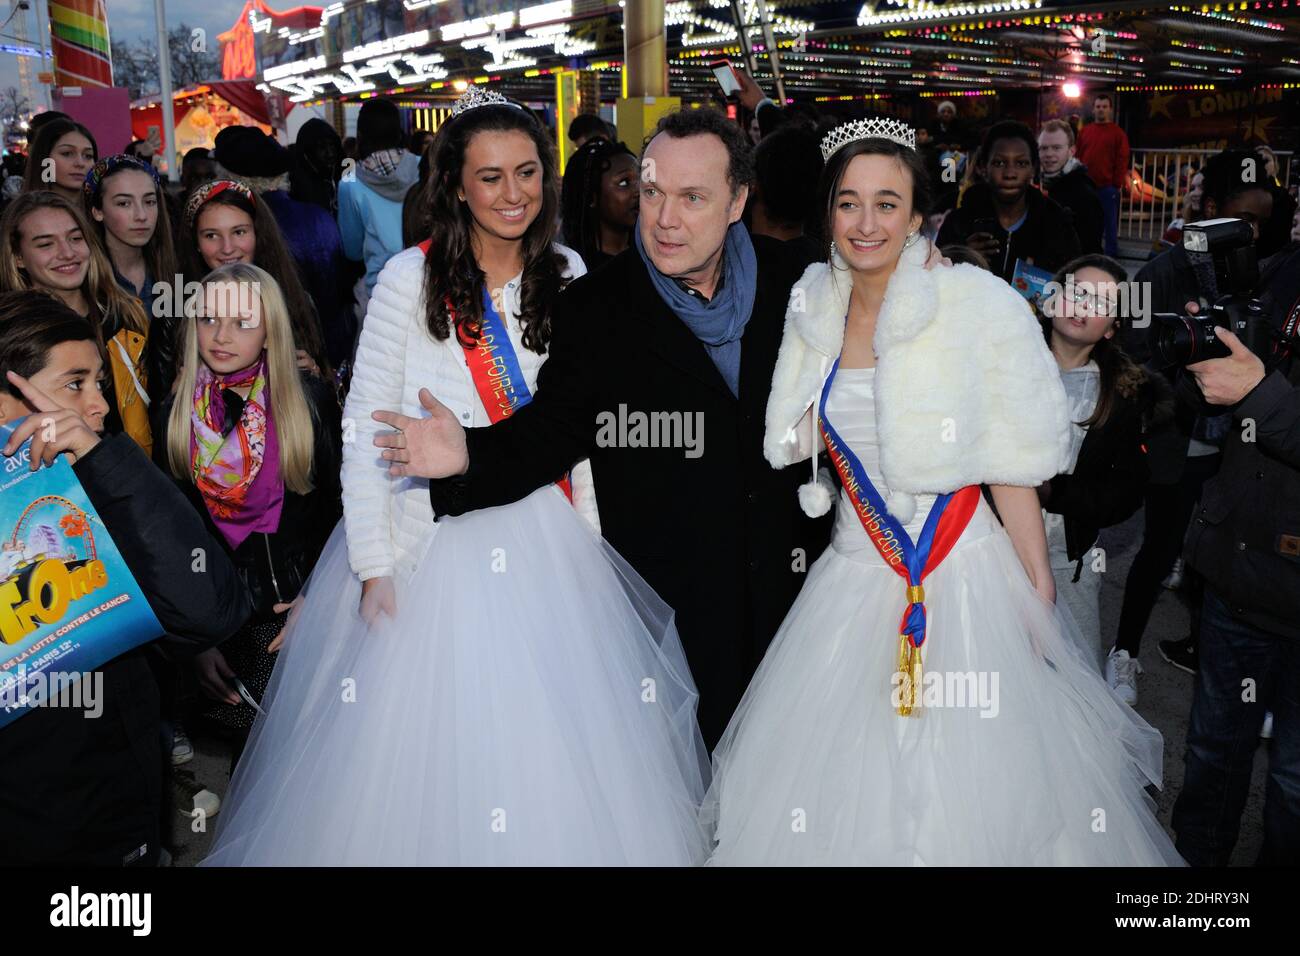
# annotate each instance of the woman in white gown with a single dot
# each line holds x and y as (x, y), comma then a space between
(498, 688)
(979, 735)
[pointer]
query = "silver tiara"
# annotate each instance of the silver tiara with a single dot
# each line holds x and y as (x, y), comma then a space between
(889, 129)
(477, 96)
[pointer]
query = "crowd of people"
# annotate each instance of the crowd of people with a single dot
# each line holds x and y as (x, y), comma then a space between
(558, 519)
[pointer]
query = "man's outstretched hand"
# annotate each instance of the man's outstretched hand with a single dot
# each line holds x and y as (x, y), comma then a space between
(432, 447)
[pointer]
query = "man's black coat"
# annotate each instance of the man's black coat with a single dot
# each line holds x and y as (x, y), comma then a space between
(717, 531)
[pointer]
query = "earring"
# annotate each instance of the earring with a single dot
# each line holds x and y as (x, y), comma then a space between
(911, 240)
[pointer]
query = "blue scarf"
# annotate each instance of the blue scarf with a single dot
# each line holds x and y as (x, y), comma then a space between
(720, 322)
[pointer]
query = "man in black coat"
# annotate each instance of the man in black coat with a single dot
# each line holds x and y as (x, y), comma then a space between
(710, 525)
(78, 789)
(1066, 182)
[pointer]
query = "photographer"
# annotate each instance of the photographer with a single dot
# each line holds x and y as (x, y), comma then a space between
(1245, 542)
(1186, 453)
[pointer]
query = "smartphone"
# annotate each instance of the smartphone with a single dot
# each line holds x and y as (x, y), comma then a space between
(726, 76)
(991, 226)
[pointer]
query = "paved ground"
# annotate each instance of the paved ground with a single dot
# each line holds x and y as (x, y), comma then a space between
(1165, 695)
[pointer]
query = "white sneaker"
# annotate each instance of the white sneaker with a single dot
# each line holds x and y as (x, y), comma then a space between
(182, 749)
(1266, 731)
(1121, 675)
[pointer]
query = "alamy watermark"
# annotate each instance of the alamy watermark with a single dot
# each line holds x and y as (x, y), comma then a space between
(20, 689)
(638, 429)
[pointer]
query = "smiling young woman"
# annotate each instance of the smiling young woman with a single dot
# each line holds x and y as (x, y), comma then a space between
(62, 153)
(46, 244)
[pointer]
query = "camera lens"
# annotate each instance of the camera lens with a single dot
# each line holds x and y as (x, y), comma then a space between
(1177, 340)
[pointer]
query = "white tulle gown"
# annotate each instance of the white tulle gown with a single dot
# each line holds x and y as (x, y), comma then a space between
(1043, 765)
(528, 706)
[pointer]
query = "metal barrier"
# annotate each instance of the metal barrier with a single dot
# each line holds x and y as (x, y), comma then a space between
(1158, 182)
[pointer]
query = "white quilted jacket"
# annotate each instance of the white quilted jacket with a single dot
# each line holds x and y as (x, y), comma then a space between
(389, 521)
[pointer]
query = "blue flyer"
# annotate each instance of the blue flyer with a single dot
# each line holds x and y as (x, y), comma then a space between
(68, 603)
(1029, 281)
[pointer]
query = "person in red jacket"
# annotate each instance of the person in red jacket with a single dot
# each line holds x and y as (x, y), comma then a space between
(1103, 148)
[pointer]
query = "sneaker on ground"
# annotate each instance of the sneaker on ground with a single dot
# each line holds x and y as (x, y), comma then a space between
(1121, 674)
(192, 796)
(182, 749)
(1181, 654)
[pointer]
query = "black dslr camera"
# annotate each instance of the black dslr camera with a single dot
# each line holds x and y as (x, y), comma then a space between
(1186, 339)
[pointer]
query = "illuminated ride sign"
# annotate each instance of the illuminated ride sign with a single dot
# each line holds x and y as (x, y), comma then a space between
(397, 61)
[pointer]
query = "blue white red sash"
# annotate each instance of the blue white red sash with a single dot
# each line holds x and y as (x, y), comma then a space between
(494, 366)
(911, 561)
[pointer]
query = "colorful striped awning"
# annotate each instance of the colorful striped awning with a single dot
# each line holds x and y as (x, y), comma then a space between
(79, 31)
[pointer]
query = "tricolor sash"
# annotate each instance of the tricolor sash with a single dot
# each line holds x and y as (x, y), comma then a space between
(494, 366)
(911, 561)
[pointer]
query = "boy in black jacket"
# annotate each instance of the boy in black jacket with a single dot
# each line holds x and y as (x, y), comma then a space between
(1005, 217)
(75, 790)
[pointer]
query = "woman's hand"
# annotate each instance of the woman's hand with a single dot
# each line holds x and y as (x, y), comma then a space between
(936, 258)
(378, 597)
(214, 675)
(293, 607)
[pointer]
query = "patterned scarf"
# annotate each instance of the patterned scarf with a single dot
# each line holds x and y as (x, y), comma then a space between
(241, 495)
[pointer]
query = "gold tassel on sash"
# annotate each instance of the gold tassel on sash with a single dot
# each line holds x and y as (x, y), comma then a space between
(909, 665)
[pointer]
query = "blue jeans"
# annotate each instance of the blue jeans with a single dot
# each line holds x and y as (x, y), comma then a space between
(1223, 736)
(1109, 196)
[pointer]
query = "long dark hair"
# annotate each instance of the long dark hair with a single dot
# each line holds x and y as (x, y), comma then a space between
(452, 277)
(160, 250)
(1120, 375)
(580, 194)
(833, 174)
(270, 254)
(43, 146)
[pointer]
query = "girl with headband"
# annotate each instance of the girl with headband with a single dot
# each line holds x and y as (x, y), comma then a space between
(224, 223)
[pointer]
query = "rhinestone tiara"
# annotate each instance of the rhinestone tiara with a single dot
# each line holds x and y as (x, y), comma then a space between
(477, 96)
(847, 133)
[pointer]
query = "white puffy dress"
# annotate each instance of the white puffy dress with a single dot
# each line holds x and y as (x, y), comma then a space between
(1023, 755)
(530, 704)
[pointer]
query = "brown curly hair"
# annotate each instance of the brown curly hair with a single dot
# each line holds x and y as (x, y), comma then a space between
(453, 281)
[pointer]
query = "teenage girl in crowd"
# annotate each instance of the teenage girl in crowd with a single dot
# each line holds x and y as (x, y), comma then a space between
(599, 201)
(225, 223)
(255, 444)
(124, 198)
(1112, 403)
(72, 151)
(48, 245)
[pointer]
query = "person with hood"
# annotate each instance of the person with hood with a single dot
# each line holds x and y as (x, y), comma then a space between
(1004, 217)
(1066, 180)
(316, 162)
(246, 155)
(370, 203)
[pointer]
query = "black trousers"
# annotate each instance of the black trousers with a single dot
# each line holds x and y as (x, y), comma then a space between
(1167, 510)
